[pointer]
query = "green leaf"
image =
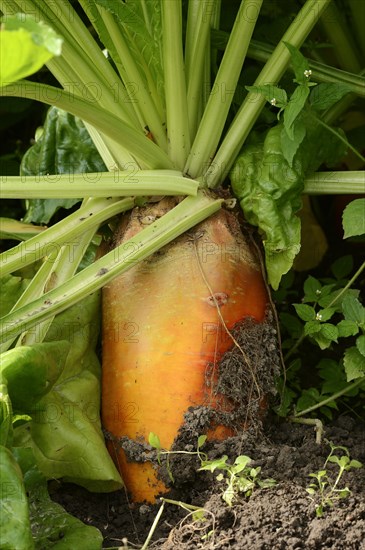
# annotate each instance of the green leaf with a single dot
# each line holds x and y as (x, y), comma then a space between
(240, 463)
(6, 416)
(360, 344)
(25, 46)
(326, 335)
(305, 312)
(141, 25)
(64, 147)
(326, 94)
(308, 398)
(353, 218)
(65, 432)
(342, 267)
(290, 143)
(355, 464)
(336, 297)
(347, 328)
(287, 398)
(333, 375)
(273, 94)
(354, 363)
(212, 465)
(32, 476)
(326, 313)
(269, 190)
(31, 372)
(293, 110)
(291, 323)
(299, 63)
(312, 327)
(201, 440)
(154, 440)
(11, 288)
(19, 231)
(340, 461)
(267, 483)
(14, 513)
(54, 528)
(312, 289)
(245, 485)
(319, 511)
(353, 310)
(243, 459)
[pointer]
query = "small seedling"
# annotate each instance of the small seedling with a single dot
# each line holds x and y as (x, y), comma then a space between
(239, 477)
(325, 491)
(155, 442)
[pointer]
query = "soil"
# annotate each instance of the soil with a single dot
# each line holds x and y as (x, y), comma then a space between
(280, 517)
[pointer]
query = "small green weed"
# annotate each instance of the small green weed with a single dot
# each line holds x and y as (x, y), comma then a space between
(324, 491)
(329, 311)
(239, 477)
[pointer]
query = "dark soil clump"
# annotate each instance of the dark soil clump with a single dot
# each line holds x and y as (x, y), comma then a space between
(280, 517)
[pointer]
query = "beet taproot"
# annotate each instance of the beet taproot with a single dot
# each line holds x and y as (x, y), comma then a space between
(165, 321)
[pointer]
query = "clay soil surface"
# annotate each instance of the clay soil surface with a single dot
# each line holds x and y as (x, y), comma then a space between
(280, 517)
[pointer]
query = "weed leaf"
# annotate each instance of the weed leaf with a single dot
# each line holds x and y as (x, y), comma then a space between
(274, 95)
(354, 363)
(299, 62)
(347, 328)
(154, 440)
(326, 94)
(293, 109)
(360, 344)
(353, 310)
(305, 312)
(290, 143)
(353, 218)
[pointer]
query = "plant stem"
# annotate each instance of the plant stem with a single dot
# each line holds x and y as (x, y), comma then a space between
(142, 101)
(183, 217)
(340, 37)
(34, 249)
(333, 397)
(260, 51)
(183, 505)
(221, 96)
(310, 422)
(196, 57)
(335, 183)
(153, 527)
(252, 106)
(137, 183)
(358, 17)
(175, 85)
(65, 25)
(294, 347)
(63, 269)
(133, 140)
(340, 137)
(348, 284)
(35, 288)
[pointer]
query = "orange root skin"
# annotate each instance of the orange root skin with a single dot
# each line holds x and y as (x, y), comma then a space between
(161, 328)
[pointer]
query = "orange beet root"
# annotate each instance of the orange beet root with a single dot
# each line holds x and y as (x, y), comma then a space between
(162, 328)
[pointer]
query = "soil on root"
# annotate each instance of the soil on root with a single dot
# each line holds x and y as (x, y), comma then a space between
(239, 385)
(279, 517)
